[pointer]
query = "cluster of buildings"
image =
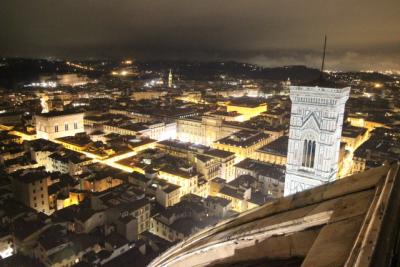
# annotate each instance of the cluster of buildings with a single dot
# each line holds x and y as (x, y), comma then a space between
(113, 176)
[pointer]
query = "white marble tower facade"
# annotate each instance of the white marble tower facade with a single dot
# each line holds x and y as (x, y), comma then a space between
(314, 136)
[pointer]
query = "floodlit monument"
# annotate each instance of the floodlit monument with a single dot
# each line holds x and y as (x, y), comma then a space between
(53, 125)
(315, 132)
(314, 136)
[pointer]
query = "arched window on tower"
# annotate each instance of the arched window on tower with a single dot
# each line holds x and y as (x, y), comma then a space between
(312, 154)
(303, 162)
(308, 154)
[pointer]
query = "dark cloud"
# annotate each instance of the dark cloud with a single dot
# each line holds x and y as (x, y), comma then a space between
(362, 34)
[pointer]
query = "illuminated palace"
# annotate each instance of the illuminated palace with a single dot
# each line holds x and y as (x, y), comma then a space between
(314, 135)
(54, 125)
(205, 130)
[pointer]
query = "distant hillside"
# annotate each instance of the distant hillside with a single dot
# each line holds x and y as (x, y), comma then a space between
(372, 76)
(14, 72)
(213, 70)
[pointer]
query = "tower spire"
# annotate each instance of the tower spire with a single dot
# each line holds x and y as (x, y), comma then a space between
(323, 58)
(170, 79)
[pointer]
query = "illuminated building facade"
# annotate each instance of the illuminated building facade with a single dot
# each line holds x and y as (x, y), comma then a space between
(155, 130)
(190, 96)
(362, 120)
(209, 162)
(149, 94)
(186, 179)
(204, 131)
(314, 136)
(54, 125)
(167, 194)
(31, 188)
(243, 143)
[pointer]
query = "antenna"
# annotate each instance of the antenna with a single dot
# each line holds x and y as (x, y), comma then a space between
(323, 58)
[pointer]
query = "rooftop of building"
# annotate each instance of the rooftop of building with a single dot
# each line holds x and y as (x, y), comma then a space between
(234, 192)
(67, 156)
(115, 240)
(249, 102)
(79, 243)
(85, 213)
(135, 127)
(31, 175)
(59, 113)
(276, 112)
(277, 147)
(53, 236)
(186, 226)
(77, 140)
(259, 198)
(218, 200)
(258, 124)
(138, 177)
(353, 131)
(129, 205)
(105, 117)
(25, 227)
(183, 208)
(168, 187)
(218, 153)
(175, 170)
(243, 138)
(43, 145)
(243, 181)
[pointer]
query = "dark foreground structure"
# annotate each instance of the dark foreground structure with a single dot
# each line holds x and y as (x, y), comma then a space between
(353, 221)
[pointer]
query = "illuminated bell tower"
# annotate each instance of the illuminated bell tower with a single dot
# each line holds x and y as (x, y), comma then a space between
(314, 137)
(170, 79)
(286, 86)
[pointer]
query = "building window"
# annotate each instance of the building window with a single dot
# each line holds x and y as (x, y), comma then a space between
(308, 154)
(66, 126)
(56, 128)
(75, 125)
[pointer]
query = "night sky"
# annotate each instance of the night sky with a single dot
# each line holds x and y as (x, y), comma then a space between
(362, 34)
